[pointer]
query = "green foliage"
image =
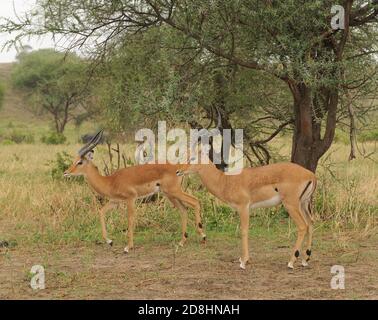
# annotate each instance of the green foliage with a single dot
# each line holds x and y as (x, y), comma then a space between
(268, 65)
(53, 138)
(7, 142)
(60, 164)
(57, 84)
(371, 135)
(144, 81)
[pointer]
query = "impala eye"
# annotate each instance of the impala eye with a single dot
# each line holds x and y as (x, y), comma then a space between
(80, 162)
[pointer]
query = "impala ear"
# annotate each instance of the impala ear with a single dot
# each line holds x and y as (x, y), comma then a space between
(89, 155)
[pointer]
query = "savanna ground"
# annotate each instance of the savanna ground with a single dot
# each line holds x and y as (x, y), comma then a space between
(53, 222)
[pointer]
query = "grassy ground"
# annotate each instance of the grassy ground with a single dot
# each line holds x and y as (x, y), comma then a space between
(54, 223)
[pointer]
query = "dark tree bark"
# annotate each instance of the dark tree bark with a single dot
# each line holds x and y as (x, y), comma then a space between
(221, 118)
(308, 145)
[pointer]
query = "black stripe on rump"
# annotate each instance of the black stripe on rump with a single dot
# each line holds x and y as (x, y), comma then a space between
(303, 192)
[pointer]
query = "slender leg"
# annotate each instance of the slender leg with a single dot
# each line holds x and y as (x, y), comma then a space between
(302, 227)
(193, 203)
(244, 227)
(307, 209)
(184, 219)
(103, 211)
(308, 247)
(131, 224)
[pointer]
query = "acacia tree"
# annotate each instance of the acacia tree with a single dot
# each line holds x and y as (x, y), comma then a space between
(57, 85)
(290, 40)
(145, 80)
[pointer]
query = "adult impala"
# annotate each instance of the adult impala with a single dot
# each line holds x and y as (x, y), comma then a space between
(131, 183)
(266, 186)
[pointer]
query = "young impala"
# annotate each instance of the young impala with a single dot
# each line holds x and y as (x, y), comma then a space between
(131, 183)
(266, 186)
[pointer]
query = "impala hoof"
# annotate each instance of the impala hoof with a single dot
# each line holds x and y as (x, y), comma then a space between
(109, 242)
(203, 239)
(290, 265)
(242, 264)
(304, 263)
(126, 250)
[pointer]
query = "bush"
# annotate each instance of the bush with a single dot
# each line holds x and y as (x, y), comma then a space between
(369, 136)
(54, 138)
(19, 137)
(62, 163)
(7, 142)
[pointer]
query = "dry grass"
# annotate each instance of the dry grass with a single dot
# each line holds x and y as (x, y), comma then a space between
(55, 223)
(44, 220)
(38, 206)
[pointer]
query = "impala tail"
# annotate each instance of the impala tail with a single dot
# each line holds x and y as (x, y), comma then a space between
(306, 199)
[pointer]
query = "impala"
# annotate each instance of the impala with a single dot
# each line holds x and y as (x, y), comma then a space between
(266, 186)
(131, 183)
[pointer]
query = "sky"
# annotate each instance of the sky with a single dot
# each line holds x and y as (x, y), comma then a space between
(7, 11)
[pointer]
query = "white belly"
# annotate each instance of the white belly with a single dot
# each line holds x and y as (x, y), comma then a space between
(267, 203)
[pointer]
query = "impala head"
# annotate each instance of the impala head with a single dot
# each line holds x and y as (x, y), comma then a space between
(198, 157)
(195, 163)
(84, 158)
(188, 168)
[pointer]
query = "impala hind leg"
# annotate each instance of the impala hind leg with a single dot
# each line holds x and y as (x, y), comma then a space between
(306, 258)
(103, 211)
(184, 219)
(302, 228)
(131, 224)
(310, 230)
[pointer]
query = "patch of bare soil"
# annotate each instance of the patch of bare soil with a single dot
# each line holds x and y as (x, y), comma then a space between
(194, 272)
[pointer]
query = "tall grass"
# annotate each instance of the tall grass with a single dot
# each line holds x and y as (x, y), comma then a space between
(34, 207)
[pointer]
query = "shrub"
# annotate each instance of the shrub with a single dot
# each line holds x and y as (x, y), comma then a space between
(7, 142)
(369, 136)
(60, 164)
(20, 137)
(54, 138)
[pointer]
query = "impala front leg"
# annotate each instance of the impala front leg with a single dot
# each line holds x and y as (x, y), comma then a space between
(103, 212)
(193, 203)
(131, 224)
(244, 227)
(184, 223)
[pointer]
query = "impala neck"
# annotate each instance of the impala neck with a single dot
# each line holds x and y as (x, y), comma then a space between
(213, 179)
(97, 182)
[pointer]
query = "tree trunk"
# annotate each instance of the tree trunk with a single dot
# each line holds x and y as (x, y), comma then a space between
(308, 145)
(59, 125)
(221, 82)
